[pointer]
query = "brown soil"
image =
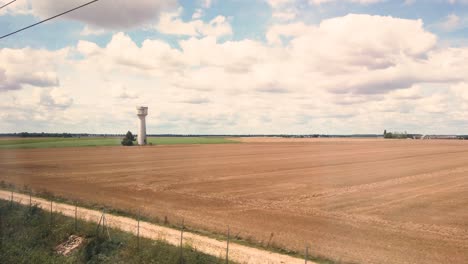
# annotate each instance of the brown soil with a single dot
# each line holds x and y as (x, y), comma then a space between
(375, 201)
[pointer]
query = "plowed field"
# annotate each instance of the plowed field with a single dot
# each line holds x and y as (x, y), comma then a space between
(366, 201)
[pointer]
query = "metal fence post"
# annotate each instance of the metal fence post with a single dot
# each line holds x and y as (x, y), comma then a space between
(306, 254)
(138, 231)
(181, 243)
(1, 231)
(227, 247)
(76, 216)
(51, 216)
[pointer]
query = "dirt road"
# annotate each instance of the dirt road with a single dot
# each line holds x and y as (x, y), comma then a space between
(365, 201)
(237, 253)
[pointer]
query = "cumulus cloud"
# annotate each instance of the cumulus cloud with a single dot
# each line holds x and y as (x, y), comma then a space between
(196, 100)
(450, 23)
(392, 60)
(318, 2)
(55, 98)
(127, 95)
(281, 3)
(207, 3)
(351, 72)
(171, 24)
(90, 31)
(22, 67)
(115, 14)
(283, 10)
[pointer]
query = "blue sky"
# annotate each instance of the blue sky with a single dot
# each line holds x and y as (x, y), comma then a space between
(249, 19)
(263, 66)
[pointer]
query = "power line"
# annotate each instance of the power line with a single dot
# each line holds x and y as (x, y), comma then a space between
(50, 18)
(7, 4)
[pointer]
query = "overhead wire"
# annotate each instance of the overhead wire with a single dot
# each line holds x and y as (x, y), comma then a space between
(7, 4)
(50, 18)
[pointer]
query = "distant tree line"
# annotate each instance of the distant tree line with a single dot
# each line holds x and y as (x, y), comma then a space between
(63, 135)
(400, 135)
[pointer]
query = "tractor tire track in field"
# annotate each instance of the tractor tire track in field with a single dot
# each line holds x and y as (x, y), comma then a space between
(443, 232)
(237, 253)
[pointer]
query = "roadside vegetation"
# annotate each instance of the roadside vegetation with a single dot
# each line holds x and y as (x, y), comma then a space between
(246, 241)
(19, 143)
(29, 234)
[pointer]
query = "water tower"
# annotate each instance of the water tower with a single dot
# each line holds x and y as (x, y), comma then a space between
(142, 112)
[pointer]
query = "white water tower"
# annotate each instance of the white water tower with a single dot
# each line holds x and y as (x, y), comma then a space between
(142, 112)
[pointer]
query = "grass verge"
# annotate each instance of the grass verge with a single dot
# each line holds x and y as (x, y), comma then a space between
(30, 235)
(246, 241)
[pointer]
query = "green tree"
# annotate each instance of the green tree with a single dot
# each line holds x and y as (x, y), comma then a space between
(128, 139)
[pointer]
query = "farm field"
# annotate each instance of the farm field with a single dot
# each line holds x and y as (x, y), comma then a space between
(362, 201)
(15, 143)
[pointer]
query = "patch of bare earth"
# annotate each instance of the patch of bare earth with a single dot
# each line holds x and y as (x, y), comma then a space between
(366, 201)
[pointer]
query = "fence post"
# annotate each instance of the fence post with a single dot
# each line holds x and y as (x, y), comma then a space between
(107, 226)
(11, 199)
(30, 200)
(181, 243)
(76, 216)
(306, 254)
(1, 231)
(103, 221)
(51, 214)
(138, 231)
(227, 247)
(99, 225)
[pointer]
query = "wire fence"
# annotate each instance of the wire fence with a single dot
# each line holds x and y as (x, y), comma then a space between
(105, 222)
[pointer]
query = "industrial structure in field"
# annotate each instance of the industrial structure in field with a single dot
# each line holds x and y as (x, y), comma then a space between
(142, 112)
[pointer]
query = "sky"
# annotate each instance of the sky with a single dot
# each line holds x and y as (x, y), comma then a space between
(236, 66)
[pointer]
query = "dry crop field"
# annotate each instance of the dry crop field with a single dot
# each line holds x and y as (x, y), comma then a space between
(365, 201)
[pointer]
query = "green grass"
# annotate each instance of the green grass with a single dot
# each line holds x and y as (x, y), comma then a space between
(20, 143)
(27, 235)
(188, 140)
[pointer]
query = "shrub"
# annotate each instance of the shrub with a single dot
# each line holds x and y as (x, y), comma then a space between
(128, 139)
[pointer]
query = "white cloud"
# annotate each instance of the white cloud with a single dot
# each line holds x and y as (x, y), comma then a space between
(450, 23)
(20, 7)
(275, 32)
(319, 2)
(207, 3)
(171, 24)
(125, 94)
(55, 98)
(89, 31)
(23, 67)
(321, 73)
(278, 3)
(356, 73)
(285, 15)
(115, 14)
(198, 13)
